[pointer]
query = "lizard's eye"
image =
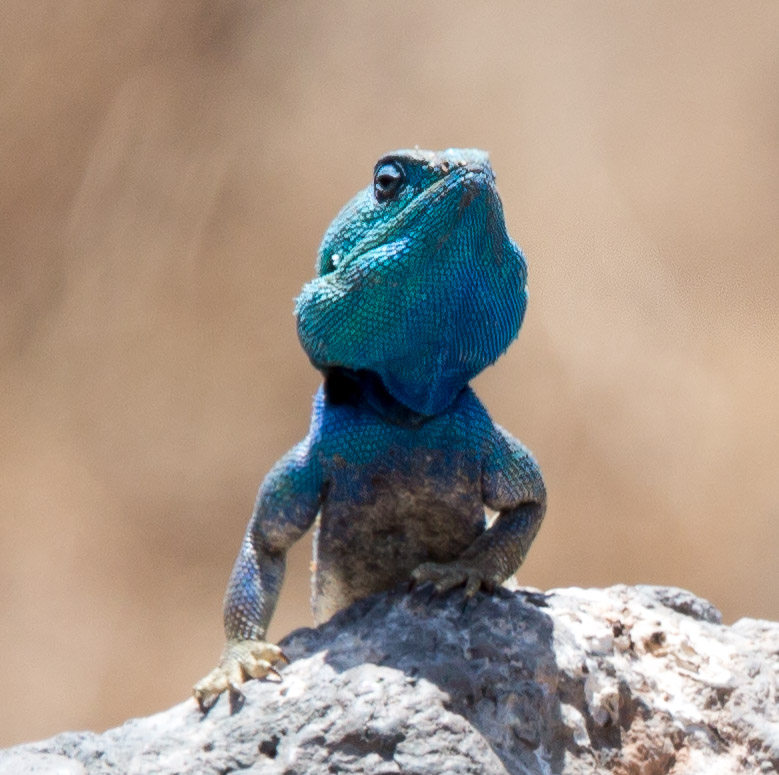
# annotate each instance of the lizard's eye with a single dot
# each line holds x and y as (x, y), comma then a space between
(387, 181)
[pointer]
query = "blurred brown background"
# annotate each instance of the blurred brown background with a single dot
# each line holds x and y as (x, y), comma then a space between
(168, 171)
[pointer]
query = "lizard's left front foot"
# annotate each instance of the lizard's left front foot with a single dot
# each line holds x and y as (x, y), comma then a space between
(448, 575)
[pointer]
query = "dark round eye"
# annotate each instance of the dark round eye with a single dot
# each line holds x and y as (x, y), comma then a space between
(387, 181)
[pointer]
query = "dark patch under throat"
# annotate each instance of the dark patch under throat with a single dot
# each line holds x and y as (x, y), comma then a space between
(364, 387)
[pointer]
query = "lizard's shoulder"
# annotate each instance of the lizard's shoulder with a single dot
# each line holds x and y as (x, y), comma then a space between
(468, 415)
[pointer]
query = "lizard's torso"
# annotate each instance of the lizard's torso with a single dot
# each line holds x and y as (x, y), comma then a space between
(398, 494)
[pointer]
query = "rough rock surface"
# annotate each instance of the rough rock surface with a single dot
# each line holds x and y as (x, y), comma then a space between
(627, 680)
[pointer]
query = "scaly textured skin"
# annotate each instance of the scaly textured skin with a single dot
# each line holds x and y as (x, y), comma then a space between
(419, 289)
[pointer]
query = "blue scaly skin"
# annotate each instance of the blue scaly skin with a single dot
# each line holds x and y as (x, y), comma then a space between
(419, 289)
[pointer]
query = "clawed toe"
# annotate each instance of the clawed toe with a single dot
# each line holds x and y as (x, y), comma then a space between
(240, 661)
(447, 576)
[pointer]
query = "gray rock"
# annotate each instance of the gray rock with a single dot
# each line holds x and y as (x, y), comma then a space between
(39, 764)
(627, 680)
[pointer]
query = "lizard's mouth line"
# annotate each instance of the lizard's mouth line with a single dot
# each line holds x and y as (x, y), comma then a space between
(463, 182)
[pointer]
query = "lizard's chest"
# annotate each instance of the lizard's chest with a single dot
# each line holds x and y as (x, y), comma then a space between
(403, 481)
(365, 458)
(398, 484)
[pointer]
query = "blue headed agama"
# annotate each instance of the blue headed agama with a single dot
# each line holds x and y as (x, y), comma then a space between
(419, 288)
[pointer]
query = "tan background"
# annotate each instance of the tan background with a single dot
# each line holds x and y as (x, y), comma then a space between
(168, 170)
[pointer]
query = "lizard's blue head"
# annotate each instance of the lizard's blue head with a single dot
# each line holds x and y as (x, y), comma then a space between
(418, 280)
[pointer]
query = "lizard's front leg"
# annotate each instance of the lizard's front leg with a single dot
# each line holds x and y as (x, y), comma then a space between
(286, 507)
(251, 597)
(512, 485)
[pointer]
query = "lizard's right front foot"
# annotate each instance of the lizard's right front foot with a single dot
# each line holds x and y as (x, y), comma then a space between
(240, 661)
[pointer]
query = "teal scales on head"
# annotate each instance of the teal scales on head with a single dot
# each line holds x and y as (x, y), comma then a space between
(419, 289)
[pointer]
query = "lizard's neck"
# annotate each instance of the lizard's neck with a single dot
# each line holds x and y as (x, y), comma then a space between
(364, 388)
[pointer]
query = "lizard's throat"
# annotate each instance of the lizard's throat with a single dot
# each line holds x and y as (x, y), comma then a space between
(364, 388)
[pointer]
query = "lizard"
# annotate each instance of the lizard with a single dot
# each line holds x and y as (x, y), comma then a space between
(419, 288)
